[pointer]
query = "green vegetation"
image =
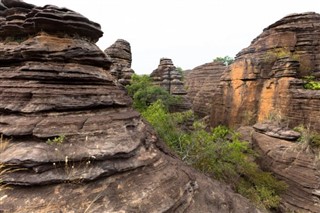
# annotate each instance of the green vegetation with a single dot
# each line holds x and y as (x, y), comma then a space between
(216, 152)
(311, 83)
(144, 93)
(227, 60)
(278, 53)
(309, 140)
(56, 140)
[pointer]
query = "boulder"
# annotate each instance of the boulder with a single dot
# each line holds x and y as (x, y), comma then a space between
(70, 140)
(268, 76)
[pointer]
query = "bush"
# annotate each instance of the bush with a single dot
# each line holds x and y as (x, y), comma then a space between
(311, 83)
(219, 153)
(144, 93)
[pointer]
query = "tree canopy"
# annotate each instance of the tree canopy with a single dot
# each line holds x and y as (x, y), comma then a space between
(227, 60)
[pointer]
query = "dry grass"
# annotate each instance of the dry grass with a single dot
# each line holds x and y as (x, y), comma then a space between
(4, 143)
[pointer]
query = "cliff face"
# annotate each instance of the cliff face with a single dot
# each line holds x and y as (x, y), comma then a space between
(202, 83)
(71, 141)
(266, 77)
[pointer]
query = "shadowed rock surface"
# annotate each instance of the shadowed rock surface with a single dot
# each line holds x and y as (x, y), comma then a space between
(168, 77)
(75, 143)
(121, 57)
(202, 83)
(267, 76)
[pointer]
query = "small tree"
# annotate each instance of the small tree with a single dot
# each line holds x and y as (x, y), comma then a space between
(144, 93)
(227, 60)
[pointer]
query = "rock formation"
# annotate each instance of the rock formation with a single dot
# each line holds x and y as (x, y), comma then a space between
(265, 84)
(267, 76)
(120, 53)
(202, 83)
(299, 169)
(71, 141)
(168, 77)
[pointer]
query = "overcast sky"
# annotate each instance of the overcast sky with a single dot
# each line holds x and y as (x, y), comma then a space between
(190, 32)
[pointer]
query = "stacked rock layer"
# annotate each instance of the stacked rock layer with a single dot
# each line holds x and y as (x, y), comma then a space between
(266, 78)
(121, 57)
(202, 83)
(70, 141)
(168, 77)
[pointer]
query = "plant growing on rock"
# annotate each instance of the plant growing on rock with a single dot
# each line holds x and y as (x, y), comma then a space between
(311, 83)
(309, 140)
(56, 140)
(277, 53)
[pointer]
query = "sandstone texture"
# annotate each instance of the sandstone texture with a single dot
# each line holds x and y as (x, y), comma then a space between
(71, 141)
(121, 57)
(298, 168)
(267, 77)
(202, 83)
(168, 77)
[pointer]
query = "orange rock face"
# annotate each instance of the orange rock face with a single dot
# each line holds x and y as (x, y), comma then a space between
(267, 77)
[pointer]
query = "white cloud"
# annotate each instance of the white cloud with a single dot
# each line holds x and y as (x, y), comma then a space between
(190, 32)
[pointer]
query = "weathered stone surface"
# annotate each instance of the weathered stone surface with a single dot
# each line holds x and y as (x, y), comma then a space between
(299, 169)
(21, 19)
(274, 130)
(202, 83)
(75, 143)
(167, 76)
(267, 76)
(120, 54)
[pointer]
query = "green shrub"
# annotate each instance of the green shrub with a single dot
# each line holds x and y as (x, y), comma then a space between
(311, 83)
(218, 153)
(56, 140)
(144, 93)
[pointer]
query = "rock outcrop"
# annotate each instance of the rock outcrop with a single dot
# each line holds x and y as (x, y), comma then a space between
(202, 83)
(298, 168)
(168, 77)
(121, 57)
(267, 77)
(71, 141)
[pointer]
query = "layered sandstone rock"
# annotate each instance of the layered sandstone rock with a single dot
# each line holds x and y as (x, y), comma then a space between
(267, 77)
(298, 168)
(75, 143)
(121, 57)
(168, 77)
(202, 83)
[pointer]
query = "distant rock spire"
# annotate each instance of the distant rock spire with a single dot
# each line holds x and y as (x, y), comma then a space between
(120, 54)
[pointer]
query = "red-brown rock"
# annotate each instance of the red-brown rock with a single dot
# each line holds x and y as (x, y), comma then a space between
(298, 168)
(75, 143)
(121, 57)
(202, 83)
(267, 77)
